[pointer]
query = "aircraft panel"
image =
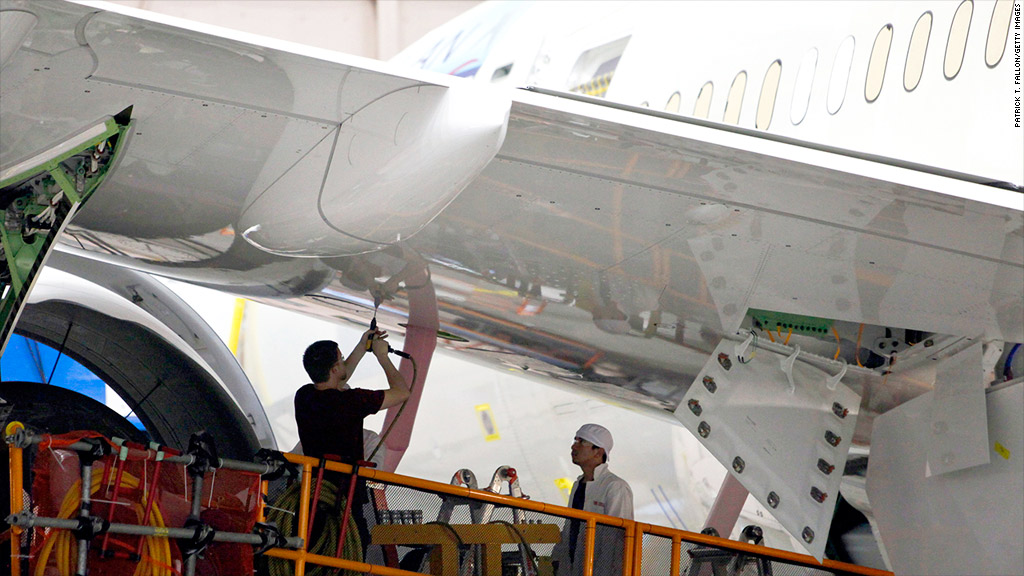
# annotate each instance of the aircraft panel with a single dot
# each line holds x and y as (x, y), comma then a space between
(607, 248)
(946, 524)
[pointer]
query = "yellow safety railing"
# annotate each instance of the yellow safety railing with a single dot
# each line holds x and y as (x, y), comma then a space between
(634, 531)
(633, 544)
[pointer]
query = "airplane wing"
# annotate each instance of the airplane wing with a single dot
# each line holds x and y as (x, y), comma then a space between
(605, 248)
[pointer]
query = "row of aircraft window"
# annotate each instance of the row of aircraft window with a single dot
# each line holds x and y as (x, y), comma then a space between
(956, 44)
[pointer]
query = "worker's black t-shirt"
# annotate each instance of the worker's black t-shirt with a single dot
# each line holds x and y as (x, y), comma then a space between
(331, 421)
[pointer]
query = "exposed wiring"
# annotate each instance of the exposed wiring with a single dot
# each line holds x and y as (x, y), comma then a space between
(49, 215)
(838, 342)
(790, 333)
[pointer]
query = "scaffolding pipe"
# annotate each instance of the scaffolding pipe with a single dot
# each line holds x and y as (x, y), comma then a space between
(26, 520)
(193, 518)
(83, 512)
(25, 439)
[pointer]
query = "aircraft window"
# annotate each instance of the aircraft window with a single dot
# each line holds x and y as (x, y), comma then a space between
(802, 87)
(840, 75)
(998, 30)
(916, 52)
(769, 90)
(877, 63)
(592, 74)
(673, 103)
(957, 42)
(734, 102)
(703, 104)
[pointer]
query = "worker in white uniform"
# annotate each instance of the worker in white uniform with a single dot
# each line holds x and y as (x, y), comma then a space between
(596, 490)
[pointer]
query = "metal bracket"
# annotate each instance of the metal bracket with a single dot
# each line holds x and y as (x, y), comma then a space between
(787, 368)
(834, 380)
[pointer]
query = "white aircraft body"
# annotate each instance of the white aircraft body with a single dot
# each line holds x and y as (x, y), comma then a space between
(786, 227)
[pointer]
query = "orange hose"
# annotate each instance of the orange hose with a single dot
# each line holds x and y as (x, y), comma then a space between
(860, 332)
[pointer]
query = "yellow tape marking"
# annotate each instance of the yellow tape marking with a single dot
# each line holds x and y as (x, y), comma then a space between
(483, 412)
(1002, 451)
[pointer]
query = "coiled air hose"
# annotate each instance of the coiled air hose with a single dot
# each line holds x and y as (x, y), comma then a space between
(156, 550)
(284, 513)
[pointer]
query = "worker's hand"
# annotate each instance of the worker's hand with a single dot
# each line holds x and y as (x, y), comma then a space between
(367, 336)
(379, 344)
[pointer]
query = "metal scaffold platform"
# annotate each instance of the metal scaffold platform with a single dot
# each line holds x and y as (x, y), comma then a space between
(106, 506)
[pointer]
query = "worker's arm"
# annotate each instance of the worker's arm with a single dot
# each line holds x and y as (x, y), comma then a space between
(352, 360)
(398, 390)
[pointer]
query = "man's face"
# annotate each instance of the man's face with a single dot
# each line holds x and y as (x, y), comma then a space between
(339, 368)
(584, 452)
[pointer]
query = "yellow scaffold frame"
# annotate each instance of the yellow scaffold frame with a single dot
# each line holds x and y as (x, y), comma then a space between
(634, 531)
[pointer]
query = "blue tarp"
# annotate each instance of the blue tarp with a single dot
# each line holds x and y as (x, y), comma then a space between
(29, 361)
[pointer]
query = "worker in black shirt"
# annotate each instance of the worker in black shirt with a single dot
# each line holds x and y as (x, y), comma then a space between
(330, 415)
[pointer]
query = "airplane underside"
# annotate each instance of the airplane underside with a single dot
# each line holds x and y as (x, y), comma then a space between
(778, 300)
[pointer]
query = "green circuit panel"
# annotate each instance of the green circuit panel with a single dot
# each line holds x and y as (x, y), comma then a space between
(38, 197)
(783, 322)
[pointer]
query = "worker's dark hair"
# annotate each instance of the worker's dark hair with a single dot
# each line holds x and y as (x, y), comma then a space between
(318, 359)
(604, 455)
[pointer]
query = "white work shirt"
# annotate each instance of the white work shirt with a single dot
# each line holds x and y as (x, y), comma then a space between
(606, 494)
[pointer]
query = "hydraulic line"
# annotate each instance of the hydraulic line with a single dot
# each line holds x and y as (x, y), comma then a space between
(401, 408)
(378, 298)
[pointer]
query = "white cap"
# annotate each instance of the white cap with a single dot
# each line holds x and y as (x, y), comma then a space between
(597, 435)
